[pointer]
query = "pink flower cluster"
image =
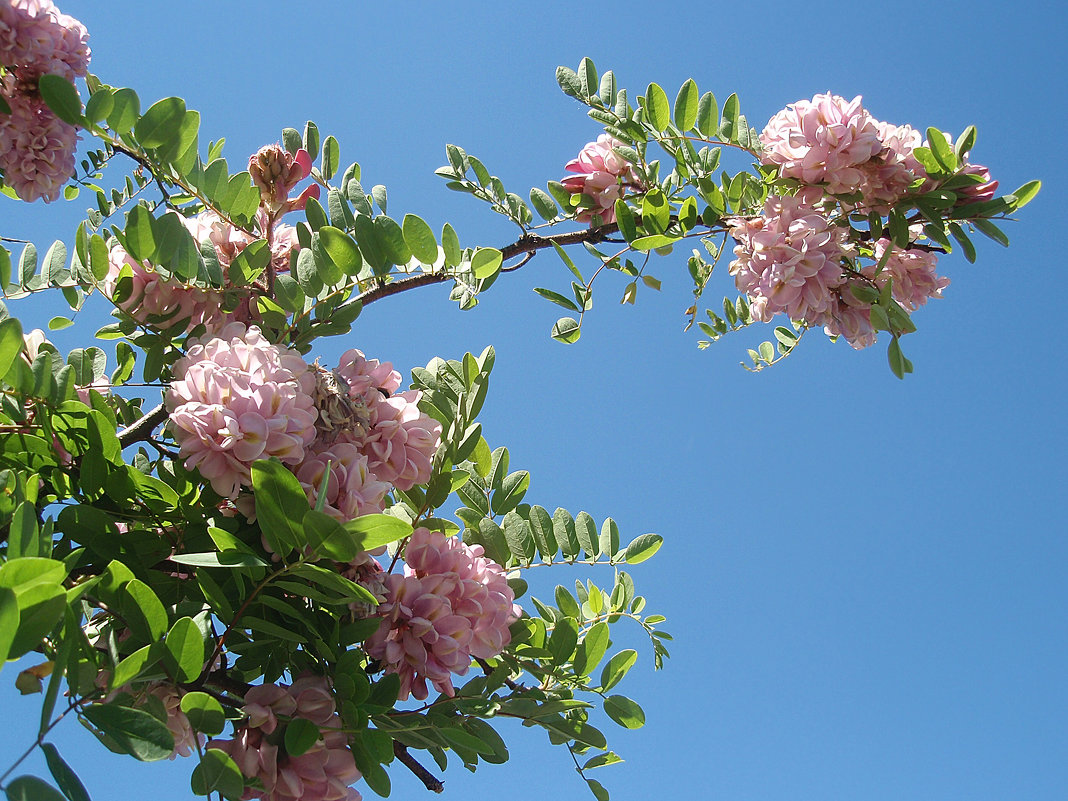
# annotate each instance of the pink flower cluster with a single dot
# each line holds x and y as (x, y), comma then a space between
(237, 398)
(322, 773)
(37, 148)
(602, 175)
(450, 605)
(167, 301)
(913, 280)
(836, 144)
(789, 259)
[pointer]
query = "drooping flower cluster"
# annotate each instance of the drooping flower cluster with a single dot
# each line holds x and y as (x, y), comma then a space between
(165, 302)
(789, 259)
(451, 605)
(795, 258)
(237, 398)
(602, 175)
(322, 773)
(37, 148)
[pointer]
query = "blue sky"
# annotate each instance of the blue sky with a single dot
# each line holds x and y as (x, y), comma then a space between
(865, 577)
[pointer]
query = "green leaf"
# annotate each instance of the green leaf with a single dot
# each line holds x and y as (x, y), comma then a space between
(898, 363)
(486, 262)
(301, 734)
(161, 123)
(592, 648)
(991, 230)
(556, 298)
(654, 241)
(419, 237)
(963, 240)
(66, 778)
(624, 711)
(328, 538)
(569, 81)
(657, 109)
(217, 772)
(942, 150)
(686, 106)
(708, 115)
(11, 343)
(331, 157)
(587, 74)
(341, 249)
(728, 128)
(544, 204)
(1025, 194)
(563, 640)
(230, 559)
(137, 732)
(144, 611)
(374, 531)
(9, 621)
(586, 530)
(656, 212)
(62, 98)
(205, 714)
(30, 788)
(250, 263)
(280, 506)
(598, 790)
(132, 666)
(186, 644)
(450, 243)
(616, 668)
(125, 110)
(566, 330)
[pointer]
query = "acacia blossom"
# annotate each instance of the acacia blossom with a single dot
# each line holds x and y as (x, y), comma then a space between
(351, 490)
(789, 259)
(451, 605)
(822, 141)
(398, 439)
(602, 175)
(236, 398)
(276, 172)
(36, 147)
(322, 773)
(155, 300)
(912, 271)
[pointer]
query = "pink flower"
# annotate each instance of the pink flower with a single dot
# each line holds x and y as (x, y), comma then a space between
(913, 273)
(322, 773)
(822, 141)
(276, 172)
(983, 189)
(237, 398)
(38, 39)
(352, 490)
(36, 148)
(603, 176)
(367, 377)
(848, 317)
(158, 301)
(451, 605)
(402, 440)
(789, 259)
(888, 176)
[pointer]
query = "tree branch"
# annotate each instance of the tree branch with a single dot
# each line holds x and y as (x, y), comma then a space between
(529, 243)
(425, 776)
(143, 428)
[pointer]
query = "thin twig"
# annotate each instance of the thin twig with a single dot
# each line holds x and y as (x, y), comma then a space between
(431, 782)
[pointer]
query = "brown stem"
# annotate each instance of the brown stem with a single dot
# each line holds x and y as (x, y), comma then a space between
(143, 428)
(528, 243)
(431, 782)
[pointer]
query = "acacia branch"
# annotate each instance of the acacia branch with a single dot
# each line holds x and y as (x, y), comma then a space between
(528, 244)
(143, 428)
(431, 782)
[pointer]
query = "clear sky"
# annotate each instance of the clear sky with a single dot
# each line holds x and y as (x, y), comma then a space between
(866, 578)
